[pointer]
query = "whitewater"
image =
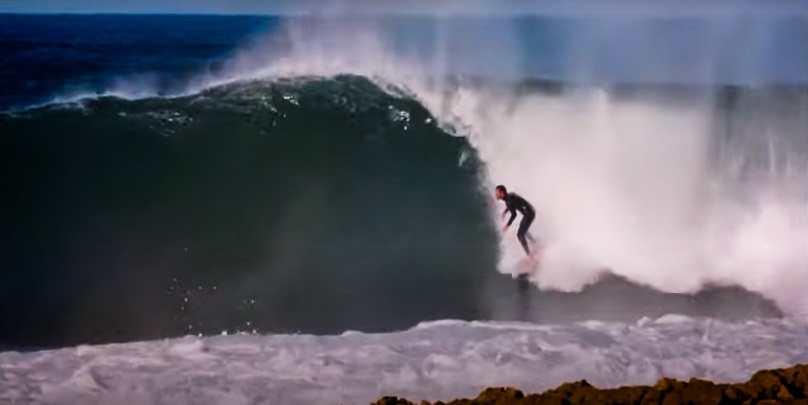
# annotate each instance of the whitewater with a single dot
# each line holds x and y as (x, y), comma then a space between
(436, 361)
(646, 187)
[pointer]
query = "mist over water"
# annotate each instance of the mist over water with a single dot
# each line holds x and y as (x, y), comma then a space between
(679, 185)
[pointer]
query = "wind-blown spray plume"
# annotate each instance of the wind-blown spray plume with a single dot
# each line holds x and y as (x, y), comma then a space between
(677, 189)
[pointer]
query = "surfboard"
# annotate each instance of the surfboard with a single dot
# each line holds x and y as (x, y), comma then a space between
(526, 267)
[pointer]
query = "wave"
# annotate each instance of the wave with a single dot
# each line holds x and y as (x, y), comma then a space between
(675, 187)
(669, 187)
(252, 196)
(338, 167)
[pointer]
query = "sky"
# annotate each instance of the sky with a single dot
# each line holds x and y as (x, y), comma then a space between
(452, 7)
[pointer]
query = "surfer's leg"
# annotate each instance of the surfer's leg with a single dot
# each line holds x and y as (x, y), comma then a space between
(522, 240)
(522, 234)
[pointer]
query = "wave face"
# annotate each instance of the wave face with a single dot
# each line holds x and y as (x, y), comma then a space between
(309, 204)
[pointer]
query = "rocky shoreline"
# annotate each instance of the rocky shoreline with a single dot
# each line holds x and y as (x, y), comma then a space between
(787, 385)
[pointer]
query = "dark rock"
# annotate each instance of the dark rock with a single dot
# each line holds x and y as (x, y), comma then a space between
(499, 396)
(782, 386)
(393, 401)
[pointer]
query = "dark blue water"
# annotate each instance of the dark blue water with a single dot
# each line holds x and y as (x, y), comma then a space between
(48, 55)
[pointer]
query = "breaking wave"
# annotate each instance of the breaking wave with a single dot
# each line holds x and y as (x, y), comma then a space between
(340, 168)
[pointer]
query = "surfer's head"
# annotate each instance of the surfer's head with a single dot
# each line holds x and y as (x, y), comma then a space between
(500, 192)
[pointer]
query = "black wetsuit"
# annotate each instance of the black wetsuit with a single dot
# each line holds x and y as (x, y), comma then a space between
(513, 203)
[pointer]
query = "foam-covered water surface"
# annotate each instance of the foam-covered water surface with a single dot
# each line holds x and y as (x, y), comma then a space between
(437, 361)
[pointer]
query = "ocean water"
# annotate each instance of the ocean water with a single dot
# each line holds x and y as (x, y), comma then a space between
(294, 179)
(436, 361)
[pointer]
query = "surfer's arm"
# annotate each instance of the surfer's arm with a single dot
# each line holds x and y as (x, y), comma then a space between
(508, 208)
(513, 216)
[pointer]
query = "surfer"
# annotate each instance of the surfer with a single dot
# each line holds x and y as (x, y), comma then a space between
(513, 203)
